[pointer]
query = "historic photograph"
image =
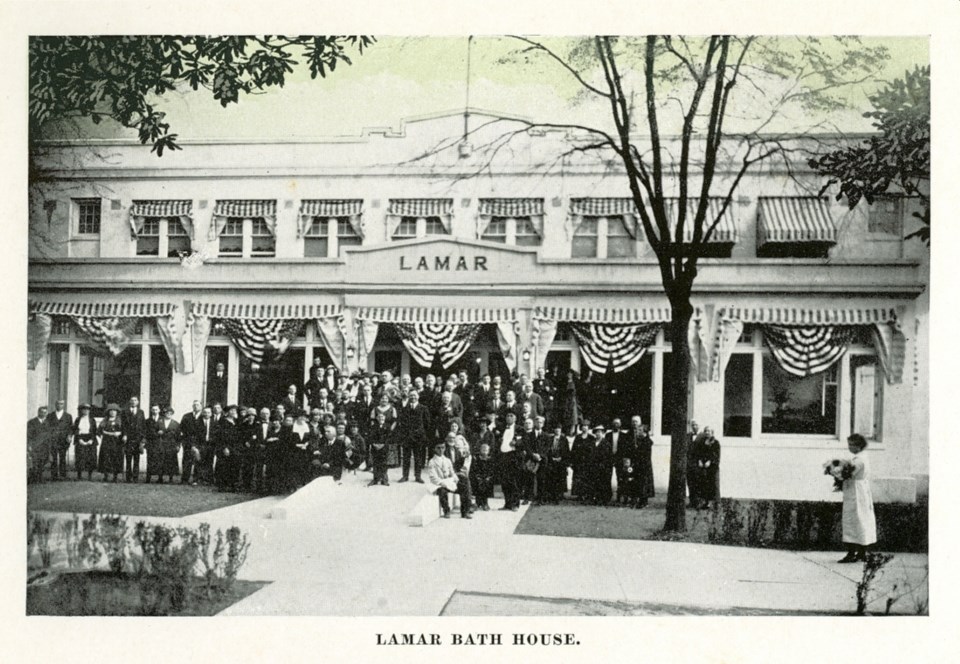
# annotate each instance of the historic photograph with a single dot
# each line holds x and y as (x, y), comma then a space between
(478, 326)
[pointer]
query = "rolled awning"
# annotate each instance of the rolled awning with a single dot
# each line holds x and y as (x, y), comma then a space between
(421, 207)
(245, 209)
(602, 207)
(811, 316)
(511, 207)
(435, 315)
(104, 309)
(614, 315)
(726, 230)
(794, 219)
(263, 311)
(327, 208)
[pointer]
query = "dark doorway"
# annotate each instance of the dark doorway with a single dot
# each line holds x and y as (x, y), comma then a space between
(217, 384)
(623, 395)
(267, 384)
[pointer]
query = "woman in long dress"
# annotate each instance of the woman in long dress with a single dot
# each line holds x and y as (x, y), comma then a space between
(111, 449)
(85, 442)
(706, 460)
(859, 521)
(569, 415)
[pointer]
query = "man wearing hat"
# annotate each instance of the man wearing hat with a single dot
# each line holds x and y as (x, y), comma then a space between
(85, 440)
(248, 448)
(168, 436)
(227, 469)
(134, 423)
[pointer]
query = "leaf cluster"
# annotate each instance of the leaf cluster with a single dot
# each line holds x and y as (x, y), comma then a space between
(898, 156)
(122, 77)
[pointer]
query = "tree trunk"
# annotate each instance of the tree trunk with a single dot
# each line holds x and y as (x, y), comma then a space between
(682, 312)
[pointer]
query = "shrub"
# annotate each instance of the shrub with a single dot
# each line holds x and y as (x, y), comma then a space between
(726, 523)
(113, 537)
(88, 548)
(70, 534)
(41, 530)
(872, 566)
(782, 521)
(757, 522)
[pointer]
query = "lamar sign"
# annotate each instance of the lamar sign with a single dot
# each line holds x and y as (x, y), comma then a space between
(446, 263)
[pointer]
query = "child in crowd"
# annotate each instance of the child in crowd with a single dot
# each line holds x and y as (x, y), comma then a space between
(630, 493)
(481, 477)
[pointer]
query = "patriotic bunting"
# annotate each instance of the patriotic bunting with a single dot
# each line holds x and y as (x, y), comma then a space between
(804, 351)
(425, 341)
(254, 338)
(112, 334)
(613, 347)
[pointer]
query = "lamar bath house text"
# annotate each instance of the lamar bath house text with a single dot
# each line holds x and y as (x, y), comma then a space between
(515, 639)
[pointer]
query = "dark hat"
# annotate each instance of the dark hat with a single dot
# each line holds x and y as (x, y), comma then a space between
(168, 409)
(84, 406)
(112, 406)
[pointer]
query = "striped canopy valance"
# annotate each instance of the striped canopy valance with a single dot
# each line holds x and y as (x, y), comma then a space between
(511, 207)
(331, 208)
(104, 309)
(164, 209)
(794, 219)
(602, 207)
(811, 316)
(726, 230)
(421, 207)
(615, 315)
(263, 311)
(435, 315)
(245, 208)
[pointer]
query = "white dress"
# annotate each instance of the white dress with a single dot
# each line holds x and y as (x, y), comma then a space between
(859, 522)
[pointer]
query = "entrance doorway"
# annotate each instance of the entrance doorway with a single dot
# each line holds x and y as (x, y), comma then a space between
(623, 395)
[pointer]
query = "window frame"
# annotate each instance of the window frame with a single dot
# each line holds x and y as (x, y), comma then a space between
(78, 209)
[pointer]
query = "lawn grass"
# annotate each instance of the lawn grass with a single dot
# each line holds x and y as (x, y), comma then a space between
(170, 500)
(99, 593)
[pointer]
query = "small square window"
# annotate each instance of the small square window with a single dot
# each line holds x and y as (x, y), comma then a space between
(88, 216)
(527, 235)
(496, 231)
(407, 229)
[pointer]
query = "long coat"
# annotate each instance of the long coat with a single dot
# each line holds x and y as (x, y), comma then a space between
(86, 444)
(151, 432)
(111, 447)
(706, 461)
(169, 439)
(644, 466)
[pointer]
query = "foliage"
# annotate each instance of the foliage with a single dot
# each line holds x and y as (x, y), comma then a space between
(88, 548)
(41, 530)
(113, 538)
(70, 534)
(726, 522)
(122, 77)
(757, 516)
(872, 569)
(897, 159)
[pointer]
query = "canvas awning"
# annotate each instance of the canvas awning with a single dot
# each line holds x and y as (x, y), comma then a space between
(794, 219)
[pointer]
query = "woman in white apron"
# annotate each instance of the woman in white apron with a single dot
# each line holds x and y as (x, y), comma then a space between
(859, 522)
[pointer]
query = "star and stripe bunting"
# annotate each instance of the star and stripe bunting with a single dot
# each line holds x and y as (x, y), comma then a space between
(805, 351)
(613, 347)
(112, 334)
(425, 341)
(254, 338)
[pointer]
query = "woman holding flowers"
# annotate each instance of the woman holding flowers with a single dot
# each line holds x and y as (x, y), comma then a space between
(859, 522)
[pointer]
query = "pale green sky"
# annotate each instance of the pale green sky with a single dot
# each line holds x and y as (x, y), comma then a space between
(406, 77)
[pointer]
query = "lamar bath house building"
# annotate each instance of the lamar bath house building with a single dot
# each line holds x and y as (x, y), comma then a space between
(223, 271)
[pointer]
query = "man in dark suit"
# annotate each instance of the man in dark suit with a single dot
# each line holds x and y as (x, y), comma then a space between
(217, 384)
(311, 389)
(601, 467)
(133, 426)
(580, 462)
(292, 402)
(261, 452)
(544, 387)
(537, 408)
(497, 407)
(197, 435)
(227, 469)
(538, 446)
(188, 432)
(362, 407)
(169, 440)
(622, 446)
(413, 423)
(38, 445)
(61, 430)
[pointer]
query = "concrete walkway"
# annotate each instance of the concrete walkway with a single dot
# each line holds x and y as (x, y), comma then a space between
(352, 554)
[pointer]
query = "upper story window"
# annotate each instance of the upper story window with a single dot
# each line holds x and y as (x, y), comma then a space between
(496, 230)
(603, 228)
(245, 228)
(515, 221)
(327, 225)
(88, 216)
(885, 216)
(161, 228)
(419, 217)
(231, 238)
(794, 227)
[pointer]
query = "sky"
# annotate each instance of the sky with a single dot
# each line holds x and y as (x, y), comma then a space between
(405, 77)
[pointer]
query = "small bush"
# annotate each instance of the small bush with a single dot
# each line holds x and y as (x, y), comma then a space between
(70, 534)
(41, 538)
(113, 538)
(757, 516)
(872, 568)
(782, 521)
(89, 548)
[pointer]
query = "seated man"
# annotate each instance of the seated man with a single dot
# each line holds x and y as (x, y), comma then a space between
(441, 474)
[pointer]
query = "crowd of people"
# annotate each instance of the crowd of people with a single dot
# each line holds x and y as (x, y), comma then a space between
(530, 438)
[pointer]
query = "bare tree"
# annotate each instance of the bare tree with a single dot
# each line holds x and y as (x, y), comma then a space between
(686, 120)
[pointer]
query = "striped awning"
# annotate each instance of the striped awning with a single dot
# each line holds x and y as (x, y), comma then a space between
(104, 309)
(612, 315)
(511, 207)
(794, 219)
(726, 230)
(811, 316)
(421, 207)
(165, 209)
(262, 311)
(435, 315)
(245, 208)
(602, 207)
(331, 208)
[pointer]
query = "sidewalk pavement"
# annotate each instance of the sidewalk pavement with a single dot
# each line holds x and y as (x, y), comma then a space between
(354, 555)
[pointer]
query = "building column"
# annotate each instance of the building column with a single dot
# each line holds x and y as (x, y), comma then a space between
(73, 377)
(144, 374)
(233, 374)
(184, 388)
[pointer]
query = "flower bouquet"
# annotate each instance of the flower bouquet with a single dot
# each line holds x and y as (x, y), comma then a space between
(839, 469)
